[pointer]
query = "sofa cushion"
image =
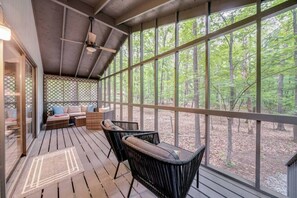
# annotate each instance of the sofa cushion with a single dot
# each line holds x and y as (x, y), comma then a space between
(77, 114)
(65, 109)
(154, 149)
(74, 109)
(55, 118)
(58, 110)
(84, 108)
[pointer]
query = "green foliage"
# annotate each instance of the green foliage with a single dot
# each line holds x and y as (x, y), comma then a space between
(149, 43)
(148, 84)
(166, 38)
(136, 85)
(136, 47)
(186, 29)
(232, 64)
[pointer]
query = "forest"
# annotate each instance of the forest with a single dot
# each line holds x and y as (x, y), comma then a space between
(233, 84)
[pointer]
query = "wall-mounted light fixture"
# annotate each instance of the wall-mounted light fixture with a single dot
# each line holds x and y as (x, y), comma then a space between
(5, 33)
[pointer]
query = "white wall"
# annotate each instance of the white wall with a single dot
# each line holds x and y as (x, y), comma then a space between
(18, 14)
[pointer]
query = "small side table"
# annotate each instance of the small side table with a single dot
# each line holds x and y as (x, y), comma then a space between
(80, 121)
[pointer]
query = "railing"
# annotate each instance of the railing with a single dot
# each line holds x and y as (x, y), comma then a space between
(292, 176)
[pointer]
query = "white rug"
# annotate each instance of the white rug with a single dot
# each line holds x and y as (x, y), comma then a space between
(51, 168)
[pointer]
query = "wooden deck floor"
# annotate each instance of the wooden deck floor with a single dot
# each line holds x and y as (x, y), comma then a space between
(97, 179)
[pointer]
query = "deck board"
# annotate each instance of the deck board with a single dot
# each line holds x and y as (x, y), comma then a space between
(97, 178)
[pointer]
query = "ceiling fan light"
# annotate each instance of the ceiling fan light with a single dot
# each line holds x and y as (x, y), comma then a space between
(91, 49)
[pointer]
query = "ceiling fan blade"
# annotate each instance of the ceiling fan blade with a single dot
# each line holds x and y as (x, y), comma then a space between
(107, 49)
(91, 37)
(77, 42)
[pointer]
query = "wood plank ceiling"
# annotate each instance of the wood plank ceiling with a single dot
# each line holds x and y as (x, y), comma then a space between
(113, 19)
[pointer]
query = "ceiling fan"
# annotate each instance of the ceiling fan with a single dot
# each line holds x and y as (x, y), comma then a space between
(90, 43)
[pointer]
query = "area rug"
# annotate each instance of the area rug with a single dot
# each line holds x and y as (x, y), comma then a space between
(51, 168)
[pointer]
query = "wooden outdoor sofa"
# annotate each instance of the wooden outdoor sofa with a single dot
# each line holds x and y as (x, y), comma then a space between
(67, 116)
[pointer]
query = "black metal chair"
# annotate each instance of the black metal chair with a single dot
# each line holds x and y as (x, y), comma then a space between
(164, 177)
(114, 137)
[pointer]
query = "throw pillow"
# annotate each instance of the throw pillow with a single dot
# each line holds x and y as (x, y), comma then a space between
(84, 108)
(74, 109)
(58, 110)
(90, 108)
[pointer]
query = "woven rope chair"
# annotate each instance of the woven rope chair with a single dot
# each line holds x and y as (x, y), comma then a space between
(164, 177)
(114, 138)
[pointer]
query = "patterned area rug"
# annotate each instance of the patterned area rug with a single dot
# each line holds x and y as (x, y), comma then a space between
(51, 168)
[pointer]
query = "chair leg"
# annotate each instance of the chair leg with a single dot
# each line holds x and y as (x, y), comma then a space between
(109, 152)
(130, 188)
(197, 179)
(115, 175)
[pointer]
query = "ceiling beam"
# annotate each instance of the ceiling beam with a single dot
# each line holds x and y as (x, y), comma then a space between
(82, 52)
(99, 57)
(62, 41)
(87, 10)
(100, 6)
(140, 10)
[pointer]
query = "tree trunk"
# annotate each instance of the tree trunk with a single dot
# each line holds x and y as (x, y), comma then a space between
(280, 94)
(196, 89)
(295, 59)
(231, 102)
(249, 122)
(162, 73)
(245, 76)
(161, 84)
(186, 91)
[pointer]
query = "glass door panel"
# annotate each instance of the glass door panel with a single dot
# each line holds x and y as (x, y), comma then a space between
(12, 100)
(29, 91)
